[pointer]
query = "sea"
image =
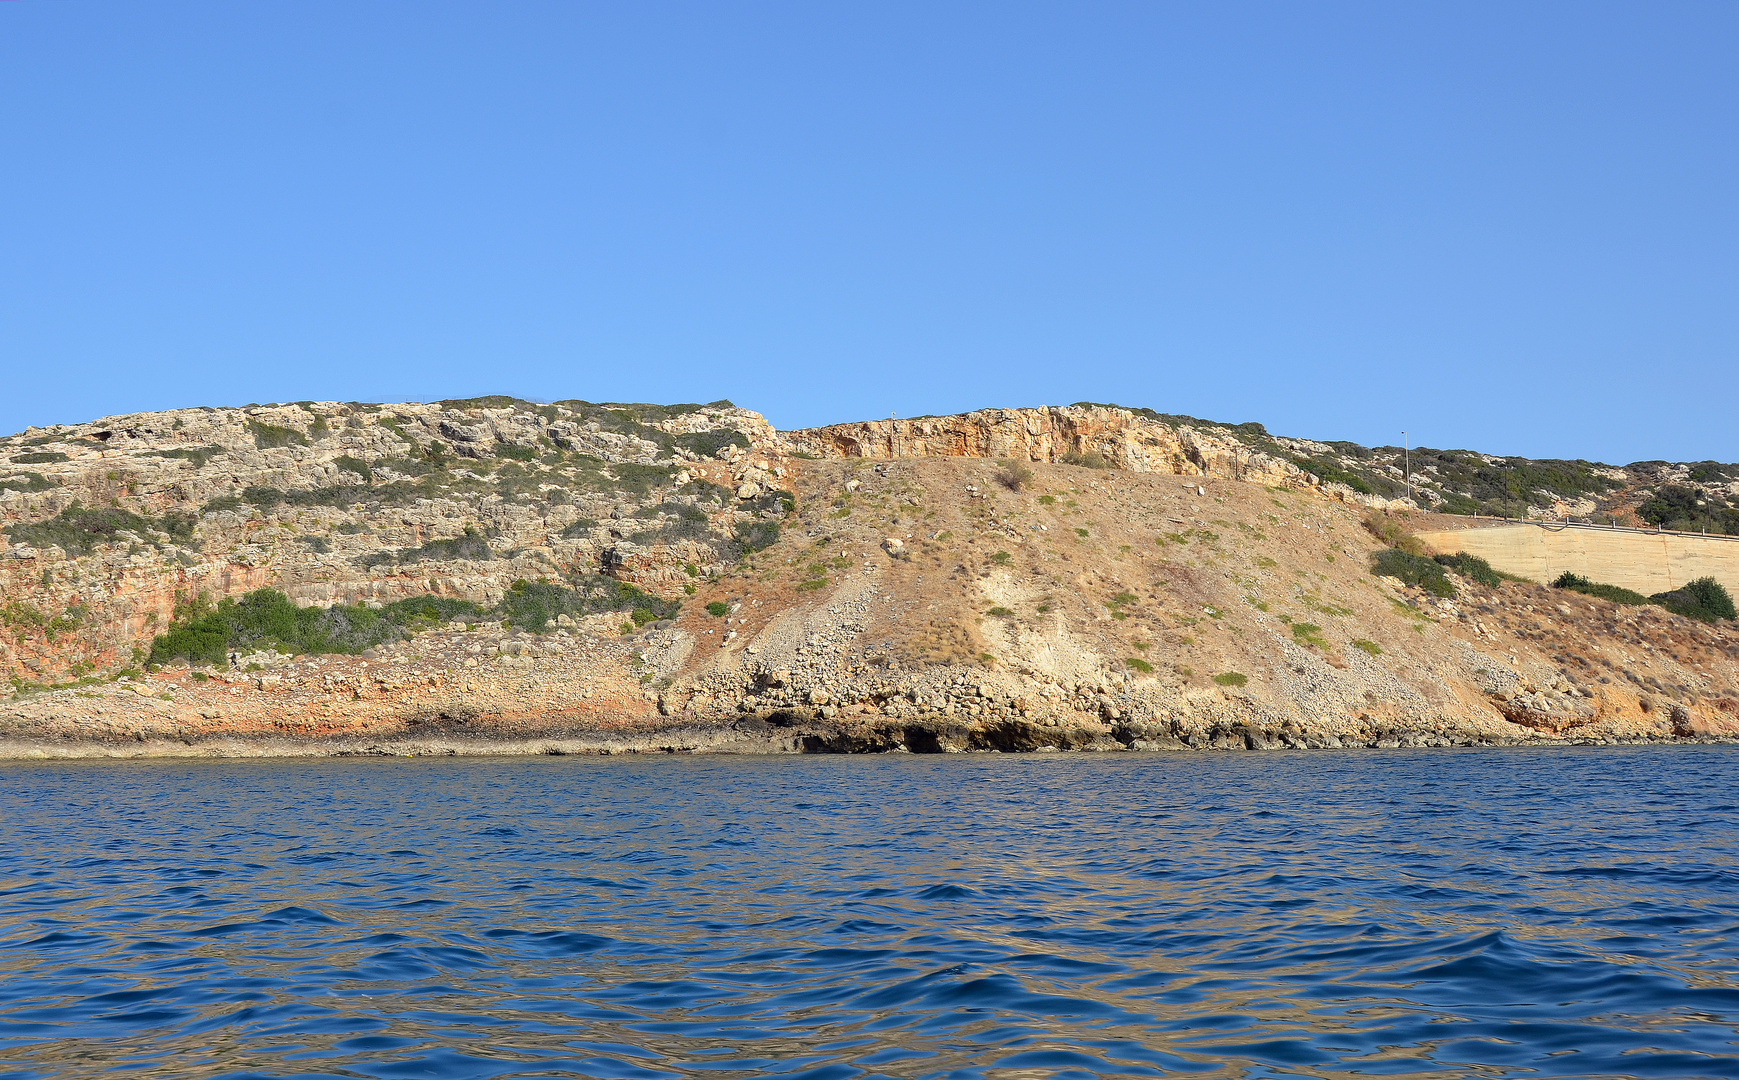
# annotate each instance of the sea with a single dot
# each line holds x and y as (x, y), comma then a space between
(1567, 912)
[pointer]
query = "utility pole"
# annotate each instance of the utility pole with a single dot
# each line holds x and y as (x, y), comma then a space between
(1407, 467)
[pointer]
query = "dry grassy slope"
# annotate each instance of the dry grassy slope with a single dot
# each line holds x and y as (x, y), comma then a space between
(1192, 577)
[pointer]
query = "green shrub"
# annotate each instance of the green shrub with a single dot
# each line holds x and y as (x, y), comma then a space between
(752, 536)
(515, 452)
(488, 401)
(471, 545)
(1001, 558)
(682, 522)
(80, 531)
(355, 465)
(709, 443)
(1471, 567)
(1368, 646)
(1000, 612)
(532, 605)
(1413, 570)
(1090, 459)
(771, 501)
(718, 609)
(580, 528)
(1231, 678)
(1309, 635)
(198, 455)
(266, 618)
(1136, 663)
(221, 503)
(27, 482)
(267, 436)
(422, 612)
(1614, 593)
(1704, 598)
(39, 458)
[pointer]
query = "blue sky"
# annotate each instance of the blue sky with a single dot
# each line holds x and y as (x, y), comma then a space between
(1506, 227)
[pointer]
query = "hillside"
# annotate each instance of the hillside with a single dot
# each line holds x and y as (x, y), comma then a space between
(494, 575)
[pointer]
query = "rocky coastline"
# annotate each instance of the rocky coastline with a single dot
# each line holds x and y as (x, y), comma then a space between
(1135, 584)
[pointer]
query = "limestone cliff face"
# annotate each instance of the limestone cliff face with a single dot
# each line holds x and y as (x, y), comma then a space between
(334, 502)
(1120, 438)
(891, 595)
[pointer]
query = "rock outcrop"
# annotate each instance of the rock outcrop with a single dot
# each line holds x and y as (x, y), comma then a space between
(1097, 435)
(1141, 583)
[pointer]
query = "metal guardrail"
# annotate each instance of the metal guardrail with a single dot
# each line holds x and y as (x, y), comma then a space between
(1560, 526)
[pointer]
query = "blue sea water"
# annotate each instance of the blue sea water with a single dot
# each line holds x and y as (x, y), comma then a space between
(1526, 913)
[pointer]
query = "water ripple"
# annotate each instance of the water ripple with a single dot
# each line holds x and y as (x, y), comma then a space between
(1514, 913)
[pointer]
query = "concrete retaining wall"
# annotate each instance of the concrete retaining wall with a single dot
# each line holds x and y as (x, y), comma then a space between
(1647, 562)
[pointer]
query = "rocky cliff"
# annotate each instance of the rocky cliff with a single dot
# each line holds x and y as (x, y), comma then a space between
(1092, 435)
(495, 575)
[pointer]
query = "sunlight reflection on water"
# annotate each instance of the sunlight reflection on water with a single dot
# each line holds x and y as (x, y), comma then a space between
(1539, 913)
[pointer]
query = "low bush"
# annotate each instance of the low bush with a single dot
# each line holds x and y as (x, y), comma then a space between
(532, 605)
(1366, 646)
(471, 545)
(1704, 598)
(1389, 531)
(26, 482)
(80, 531)
(1471, 567)
(752, 536)
(718, 609)
(423, 612)
(203, 632)
(49, 457)
(681, 522)
(222, 503)
(709, 443)
(1087, 459)
(1231, 678)
(355, 465)
(1413, 570)
(269, 436)
(1614, 593)
(1136, 663)
(262, 496)
(265, 618)
(197, 455)
(1014, 475)
(1330, 471)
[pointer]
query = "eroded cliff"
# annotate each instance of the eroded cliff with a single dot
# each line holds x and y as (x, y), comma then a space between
(1136, 583)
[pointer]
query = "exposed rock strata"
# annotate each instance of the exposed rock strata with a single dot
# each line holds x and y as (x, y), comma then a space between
(1120, 438)
(911, 603)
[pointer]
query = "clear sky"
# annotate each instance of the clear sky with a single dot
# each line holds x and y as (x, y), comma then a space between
(1511, 227)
